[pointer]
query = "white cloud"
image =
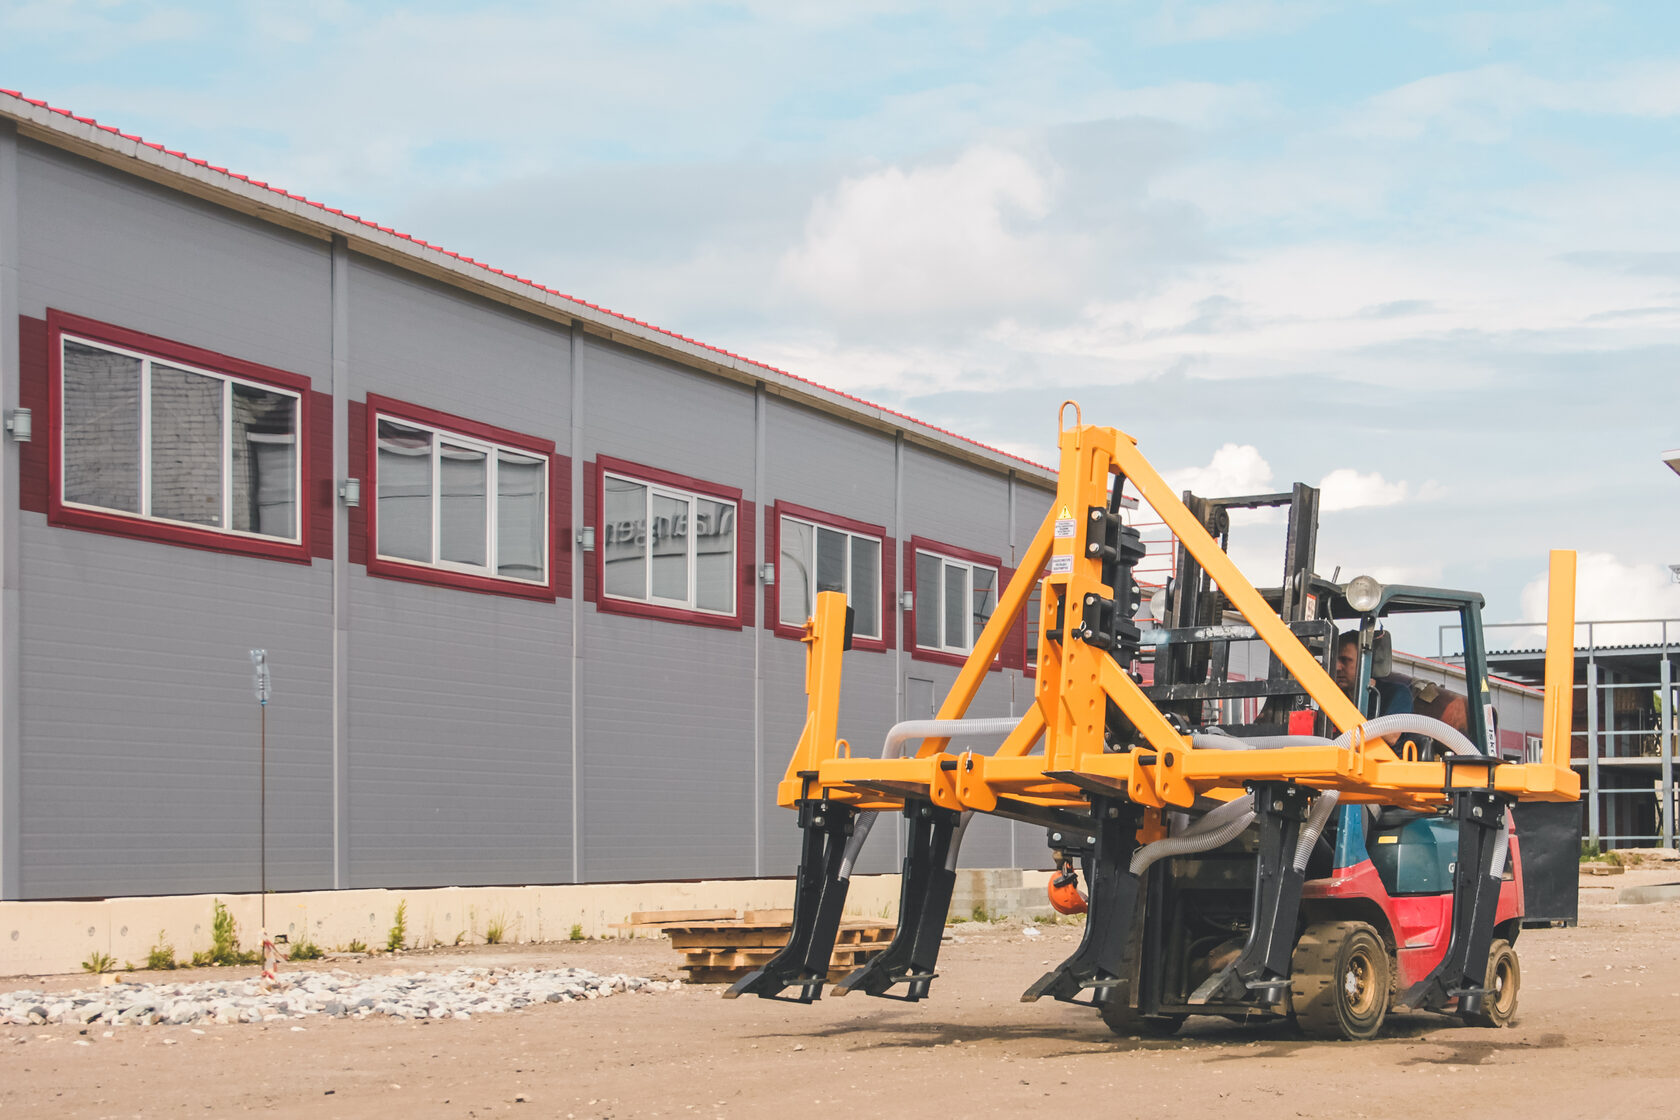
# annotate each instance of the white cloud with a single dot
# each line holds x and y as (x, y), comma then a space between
(1606, 589)
(1234, 469)
(1347, 488)
(944, 237)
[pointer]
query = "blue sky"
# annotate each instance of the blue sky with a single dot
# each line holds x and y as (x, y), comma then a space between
(1427, 254)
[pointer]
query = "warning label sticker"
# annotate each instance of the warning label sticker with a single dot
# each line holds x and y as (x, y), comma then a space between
(1061, 565)
(1066, 528)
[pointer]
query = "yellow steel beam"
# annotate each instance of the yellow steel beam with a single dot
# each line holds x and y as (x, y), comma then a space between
(1557, 720)
(825, 637)
(986, 647)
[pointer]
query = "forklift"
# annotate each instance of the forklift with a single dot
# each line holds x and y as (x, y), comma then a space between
(1322, 861)
(1374, 902)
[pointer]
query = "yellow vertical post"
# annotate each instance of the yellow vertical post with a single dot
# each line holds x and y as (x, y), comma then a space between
(1557, 721)
(825, 648)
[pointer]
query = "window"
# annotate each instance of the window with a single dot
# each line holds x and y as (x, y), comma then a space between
(160, 440)
(667, 547)
(1533, 748)
(954, 601)
(1035, 603)
(460, 499)
(816, 557)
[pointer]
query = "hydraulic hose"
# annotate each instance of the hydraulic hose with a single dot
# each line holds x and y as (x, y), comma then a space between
(897, 736)
(1402, 723)
(1218, 826)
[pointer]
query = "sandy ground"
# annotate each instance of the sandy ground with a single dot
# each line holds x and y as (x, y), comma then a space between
(1599, 1011)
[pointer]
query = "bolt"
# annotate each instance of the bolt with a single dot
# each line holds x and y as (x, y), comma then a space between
(1277, 806)
(1056, 836)
(1096, 515)
(1113, 812)
(818, 821)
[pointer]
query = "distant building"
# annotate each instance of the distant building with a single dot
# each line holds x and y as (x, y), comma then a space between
(530, 574)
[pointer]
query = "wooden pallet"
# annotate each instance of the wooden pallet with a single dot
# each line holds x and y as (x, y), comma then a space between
(722, 950)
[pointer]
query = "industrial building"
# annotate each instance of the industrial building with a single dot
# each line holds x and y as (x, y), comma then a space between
(529, 574)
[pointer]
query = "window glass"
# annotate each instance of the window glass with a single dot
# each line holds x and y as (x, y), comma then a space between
(148, 437)
(668, 537)
(668, 547)
(1034, 602)
(928, 569)
(985, 600)
(264, 451)
(956, 590)
(405, 492)
(714, 556)
(793, 572)
(521, 516)
(866, 587)
(831, 560)
(101, 428)
(463, 507)
(186, 445)
(624, 524)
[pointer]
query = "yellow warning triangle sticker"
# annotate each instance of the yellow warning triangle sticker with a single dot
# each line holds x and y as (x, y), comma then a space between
(1066, 512)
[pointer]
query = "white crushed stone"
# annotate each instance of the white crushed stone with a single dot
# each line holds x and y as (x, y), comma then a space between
(460, 994)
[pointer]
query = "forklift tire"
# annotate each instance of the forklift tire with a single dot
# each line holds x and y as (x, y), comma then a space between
(1343, 981)
(1123, 1019)
(1504, 978)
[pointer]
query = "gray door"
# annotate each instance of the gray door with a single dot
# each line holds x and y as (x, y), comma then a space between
(918, 699)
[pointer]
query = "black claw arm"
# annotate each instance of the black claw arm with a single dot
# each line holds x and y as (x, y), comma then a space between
(819, 897)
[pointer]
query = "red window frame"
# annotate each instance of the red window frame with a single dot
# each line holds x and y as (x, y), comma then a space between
(311, 418)
(950, 552)
(596, 592)
(559, 485)
(773, 553)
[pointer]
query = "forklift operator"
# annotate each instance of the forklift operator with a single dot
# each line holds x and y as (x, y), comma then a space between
(1393, 692)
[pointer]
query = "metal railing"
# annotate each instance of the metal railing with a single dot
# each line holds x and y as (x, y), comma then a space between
(1603, 638)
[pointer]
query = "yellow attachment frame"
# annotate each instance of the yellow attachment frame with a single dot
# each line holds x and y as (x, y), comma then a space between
(1076, 682)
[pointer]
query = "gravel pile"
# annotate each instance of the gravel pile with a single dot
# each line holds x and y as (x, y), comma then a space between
(460, 994)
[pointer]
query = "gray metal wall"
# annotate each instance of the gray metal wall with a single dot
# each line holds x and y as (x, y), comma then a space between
(137, 766)
(423, 735)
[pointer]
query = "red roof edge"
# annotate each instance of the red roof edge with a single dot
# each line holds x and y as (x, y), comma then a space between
(527, 283)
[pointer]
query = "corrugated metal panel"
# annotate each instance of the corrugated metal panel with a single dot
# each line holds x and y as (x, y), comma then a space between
(140, 727)
(827, 464)
(145, 258)
(947, 502)
(665, 753)
(460, 765)
(420, 342)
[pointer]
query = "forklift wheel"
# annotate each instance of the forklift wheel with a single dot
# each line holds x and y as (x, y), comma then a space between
(1123, 1019)
(1343, 981)
(1504, 978)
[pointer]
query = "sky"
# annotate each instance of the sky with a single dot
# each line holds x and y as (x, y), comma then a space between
(1426, 255)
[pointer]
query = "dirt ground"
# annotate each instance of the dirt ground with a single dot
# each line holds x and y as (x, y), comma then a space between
(1599, 1013)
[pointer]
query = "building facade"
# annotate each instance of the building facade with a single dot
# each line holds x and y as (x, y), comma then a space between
(530, 575)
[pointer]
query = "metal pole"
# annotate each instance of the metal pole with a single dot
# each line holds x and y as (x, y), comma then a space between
(262, 813)
(1592, 743)
(1665, 744)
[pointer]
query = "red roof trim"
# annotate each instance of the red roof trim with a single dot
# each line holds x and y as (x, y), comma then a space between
(528, 283)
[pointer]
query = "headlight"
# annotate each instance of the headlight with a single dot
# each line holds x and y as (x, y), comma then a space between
(1364, 593)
